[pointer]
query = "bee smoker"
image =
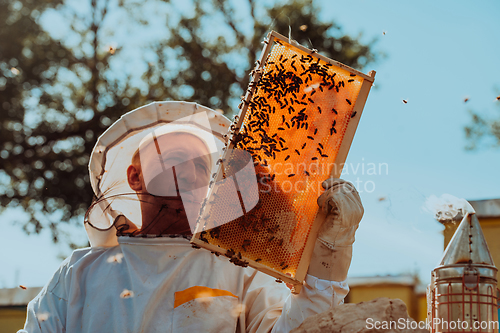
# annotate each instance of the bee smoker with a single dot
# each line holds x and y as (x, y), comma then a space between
(462, 296)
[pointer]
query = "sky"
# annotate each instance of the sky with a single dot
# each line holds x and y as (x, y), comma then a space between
(437, 54)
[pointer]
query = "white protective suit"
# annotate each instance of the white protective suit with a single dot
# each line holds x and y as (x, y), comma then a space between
(164, 285)
(161, 284)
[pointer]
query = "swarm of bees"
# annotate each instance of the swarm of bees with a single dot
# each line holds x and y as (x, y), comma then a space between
(297, 108)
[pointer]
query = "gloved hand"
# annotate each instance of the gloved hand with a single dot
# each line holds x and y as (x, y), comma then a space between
(341, 207)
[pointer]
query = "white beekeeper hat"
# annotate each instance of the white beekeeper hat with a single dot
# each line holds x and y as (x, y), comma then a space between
(116, 203)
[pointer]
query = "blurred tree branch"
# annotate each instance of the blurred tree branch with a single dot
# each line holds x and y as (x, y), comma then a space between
(483, 131)
(59, 93)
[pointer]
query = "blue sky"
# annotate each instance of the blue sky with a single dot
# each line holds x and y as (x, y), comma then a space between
(438, 53)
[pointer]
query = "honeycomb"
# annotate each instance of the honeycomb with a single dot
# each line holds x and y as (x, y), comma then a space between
(292, 123)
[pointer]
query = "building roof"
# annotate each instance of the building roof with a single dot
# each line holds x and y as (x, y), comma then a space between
(486, 208)
(365, 281)
(17, 296)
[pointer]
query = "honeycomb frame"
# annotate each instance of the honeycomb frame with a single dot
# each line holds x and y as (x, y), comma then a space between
(339, 107)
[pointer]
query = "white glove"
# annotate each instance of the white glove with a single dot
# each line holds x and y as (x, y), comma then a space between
(342, 208)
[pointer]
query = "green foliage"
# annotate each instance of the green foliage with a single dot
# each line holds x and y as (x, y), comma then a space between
(482, 132)
(58, 94)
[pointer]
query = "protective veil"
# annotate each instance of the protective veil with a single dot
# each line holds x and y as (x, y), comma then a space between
(117, 206)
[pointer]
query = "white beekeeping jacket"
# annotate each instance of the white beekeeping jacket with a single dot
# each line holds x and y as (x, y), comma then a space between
(161, 284)
(164, 285)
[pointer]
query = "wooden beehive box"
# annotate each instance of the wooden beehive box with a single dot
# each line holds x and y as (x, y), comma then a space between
(296, 123)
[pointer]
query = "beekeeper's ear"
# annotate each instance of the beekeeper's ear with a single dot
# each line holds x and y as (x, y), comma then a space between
(134, 178)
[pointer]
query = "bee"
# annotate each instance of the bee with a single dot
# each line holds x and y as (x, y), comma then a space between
(324, 155)
(282, 263)
(285, 267)
(258, 259)
(126, 293)
(291, 175)
(315, 131)
(314, 158)
(351, 80)
(314, 91)
(298, 152)
(498, 98)
(281, 128)
(383, 33)
(287, 157)
(230, 253)
(280, 242)
(202, 236)
(334, 111)
(466, 99)
(352, 75)
(23, 287)
(353, 114)
(319, 144)
(307, 173)
(310, 137)
(405, 101)
(279, 281)
(319, 109)
(310, 100)
(270, 239)
(348, 101)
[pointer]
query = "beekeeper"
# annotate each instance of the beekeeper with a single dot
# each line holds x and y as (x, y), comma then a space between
(150, 171)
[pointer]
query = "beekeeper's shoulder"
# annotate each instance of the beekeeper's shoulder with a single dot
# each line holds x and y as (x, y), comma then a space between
(73, 268)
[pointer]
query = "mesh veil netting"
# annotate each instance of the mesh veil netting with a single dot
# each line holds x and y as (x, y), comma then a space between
(174, 138)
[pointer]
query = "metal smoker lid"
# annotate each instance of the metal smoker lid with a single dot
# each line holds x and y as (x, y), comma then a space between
(467, 245)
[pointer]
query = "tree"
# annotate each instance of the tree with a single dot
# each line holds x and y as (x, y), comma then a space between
(81, 88)
(483, 131)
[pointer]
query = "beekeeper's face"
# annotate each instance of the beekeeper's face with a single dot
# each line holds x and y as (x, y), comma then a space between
(174, 164)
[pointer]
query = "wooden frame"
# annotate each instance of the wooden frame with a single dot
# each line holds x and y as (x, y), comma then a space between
(303, 266)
